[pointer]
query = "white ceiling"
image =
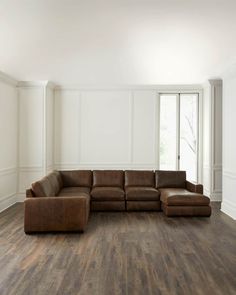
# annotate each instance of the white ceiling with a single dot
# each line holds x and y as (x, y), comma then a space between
(117, 41)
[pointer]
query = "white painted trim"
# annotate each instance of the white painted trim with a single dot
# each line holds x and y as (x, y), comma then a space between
(44, 131)
(159, 88)
(229, 174)
(131, 127)
(7, 201)
(216, 196)
(228, 208)
(214, 82)
(200, 137)
(31, 169)
(26, 84)
(7, 79)
(122, 166)
(20, 197)
(79, 142)
(7, 171)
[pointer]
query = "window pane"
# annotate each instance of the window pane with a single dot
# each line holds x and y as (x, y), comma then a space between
(189, 134)
(168, 132)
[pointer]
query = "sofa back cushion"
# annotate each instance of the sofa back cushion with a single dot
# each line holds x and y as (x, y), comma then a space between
(170, 179)
(139, 178)
(108, 178)
(76, 178)
(49, 186)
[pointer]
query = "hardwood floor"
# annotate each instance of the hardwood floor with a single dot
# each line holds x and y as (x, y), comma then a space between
(121, 253)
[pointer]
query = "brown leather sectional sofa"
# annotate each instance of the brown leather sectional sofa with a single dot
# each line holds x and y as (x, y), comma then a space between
(62, 200)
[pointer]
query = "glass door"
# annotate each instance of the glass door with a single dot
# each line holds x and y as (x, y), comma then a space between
(168, 132)
(188, 153)
(179, 133)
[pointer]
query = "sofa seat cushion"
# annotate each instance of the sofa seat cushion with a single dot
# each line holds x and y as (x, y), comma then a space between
(182, 197)
(107, 194)
(140, 193)
(74, 191)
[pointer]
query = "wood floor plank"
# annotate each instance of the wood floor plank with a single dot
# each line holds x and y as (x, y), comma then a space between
(120, 253)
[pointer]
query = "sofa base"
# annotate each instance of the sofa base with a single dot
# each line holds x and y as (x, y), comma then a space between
(143, 205)
(204, 211)
(108, 206)
(56, 214)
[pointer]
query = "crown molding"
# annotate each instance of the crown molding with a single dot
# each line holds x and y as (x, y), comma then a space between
(27, 84)
(7, 79)
(215, 82)
(160, 88)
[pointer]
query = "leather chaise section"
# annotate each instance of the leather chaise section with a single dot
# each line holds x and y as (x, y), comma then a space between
(194, 188)
(142, 194)
(191, 211)
(182, 197)
(107, 194)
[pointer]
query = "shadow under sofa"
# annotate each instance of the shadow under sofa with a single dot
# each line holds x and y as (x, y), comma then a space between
(62, 200)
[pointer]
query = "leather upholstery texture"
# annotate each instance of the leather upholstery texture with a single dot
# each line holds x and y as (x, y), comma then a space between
(170, 179)
(49, 186)
(194, 188)
(204, 211)
(143, 205)
(74, 191)
(56, 214)
(139, 193)
(139, 178)
(108, 206)
(182, 197)
(77, 178)
(61, 201)
(107, 194)
(111, 178)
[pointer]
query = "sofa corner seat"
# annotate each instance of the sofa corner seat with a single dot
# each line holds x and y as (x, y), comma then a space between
(58, 202)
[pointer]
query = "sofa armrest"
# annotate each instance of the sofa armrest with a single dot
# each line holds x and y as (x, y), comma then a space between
(56, 214)
(30, 193)
(194, 188)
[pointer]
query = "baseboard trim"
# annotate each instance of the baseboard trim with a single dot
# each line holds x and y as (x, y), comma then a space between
(216, 197)
(228, 208)
(20, 197)
(7, 202)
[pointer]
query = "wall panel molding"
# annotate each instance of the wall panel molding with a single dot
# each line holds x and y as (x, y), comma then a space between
(229, 174)
(7, 171)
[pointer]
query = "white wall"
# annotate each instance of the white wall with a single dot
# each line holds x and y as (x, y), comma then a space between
(36, 103)
(229, 144)
(8, 143)
(105, 128)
